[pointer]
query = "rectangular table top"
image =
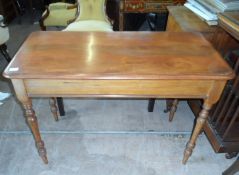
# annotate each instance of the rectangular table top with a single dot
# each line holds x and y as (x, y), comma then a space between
(117, 55)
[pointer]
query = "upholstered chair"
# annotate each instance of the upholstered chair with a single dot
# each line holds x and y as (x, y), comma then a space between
(92, 17)
(4, 36)
(58, 14)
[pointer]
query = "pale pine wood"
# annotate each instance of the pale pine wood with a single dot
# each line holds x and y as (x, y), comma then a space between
(129, 88)
(31, 118)
(129, 64)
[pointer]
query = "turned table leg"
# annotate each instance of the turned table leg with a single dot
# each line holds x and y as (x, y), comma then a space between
(33, 125)
(31, 118)
(203, 115)
(173, 109)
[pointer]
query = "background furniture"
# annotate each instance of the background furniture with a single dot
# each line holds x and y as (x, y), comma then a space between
(16, 8)
(223, 38)
(182, 19)
(144, 6)
(58, 14)
(9, 10)
(92, 17)
(226, 125)
(112, 11)
(224, 118)
(4, 36)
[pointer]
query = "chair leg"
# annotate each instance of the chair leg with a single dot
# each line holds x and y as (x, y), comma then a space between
(60, 105)
(173, 109)
(169, 104)
(151, 104)
(43, 28)
(41, 21)
(53, 107)
(234, 168)
(3, 50)
(56, 105)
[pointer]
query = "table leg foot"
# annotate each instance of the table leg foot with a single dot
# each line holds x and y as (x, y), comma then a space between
(188, 152)
(54, 108)
(42, 151)
(199, 125)
(33, 125)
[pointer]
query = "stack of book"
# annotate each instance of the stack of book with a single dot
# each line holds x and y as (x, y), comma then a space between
(208, 9)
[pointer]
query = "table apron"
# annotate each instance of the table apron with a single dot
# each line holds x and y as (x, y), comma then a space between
(114, 88)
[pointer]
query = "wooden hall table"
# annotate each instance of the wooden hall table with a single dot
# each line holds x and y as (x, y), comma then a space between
(119, 64)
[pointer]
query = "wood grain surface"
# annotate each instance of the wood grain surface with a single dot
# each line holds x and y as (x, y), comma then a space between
(118, 55)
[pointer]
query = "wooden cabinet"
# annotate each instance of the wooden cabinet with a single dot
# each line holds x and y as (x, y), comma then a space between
(8, 10)
(144, 6)
(222, 129)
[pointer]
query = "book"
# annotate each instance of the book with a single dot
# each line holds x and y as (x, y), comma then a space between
(224, 5)
(210, 14)
(208, 19)
(209, 6)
